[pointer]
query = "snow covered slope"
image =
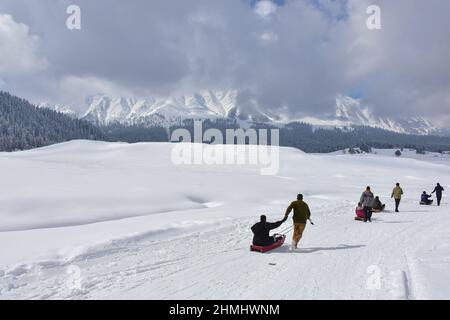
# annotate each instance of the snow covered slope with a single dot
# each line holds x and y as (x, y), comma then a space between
(134, 225)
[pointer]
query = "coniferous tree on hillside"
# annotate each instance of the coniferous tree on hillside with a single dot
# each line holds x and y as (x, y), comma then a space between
(23, 126)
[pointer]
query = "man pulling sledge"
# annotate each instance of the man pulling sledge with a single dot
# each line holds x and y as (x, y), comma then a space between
(301, 215)
(438, 191)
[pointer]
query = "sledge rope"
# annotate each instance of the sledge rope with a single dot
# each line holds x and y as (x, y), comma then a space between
(287, 229)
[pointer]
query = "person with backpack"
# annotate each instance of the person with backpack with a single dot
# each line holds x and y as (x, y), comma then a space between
(438, 189)
(367, 200)
(397, 193)
(301, 215)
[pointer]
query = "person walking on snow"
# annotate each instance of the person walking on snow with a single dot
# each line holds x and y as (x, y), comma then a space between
(438, 189)
(301, 215)
(367, 200)
(397, 195)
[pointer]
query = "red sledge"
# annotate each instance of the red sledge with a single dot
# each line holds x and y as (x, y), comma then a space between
(277, 244)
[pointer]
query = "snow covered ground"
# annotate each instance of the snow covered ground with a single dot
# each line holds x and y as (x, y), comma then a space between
(93, 220)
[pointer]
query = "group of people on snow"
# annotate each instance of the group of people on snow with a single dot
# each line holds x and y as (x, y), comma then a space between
(368, 203)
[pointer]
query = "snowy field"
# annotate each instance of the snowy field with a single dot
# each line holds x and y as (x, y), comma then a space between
(94, 220)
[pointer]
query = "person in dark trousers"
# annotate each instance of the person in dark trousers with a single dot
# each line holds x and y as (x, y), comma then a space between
(261, 231)
(438, 189)
(397, 193)
(425, 199)
(367, 200)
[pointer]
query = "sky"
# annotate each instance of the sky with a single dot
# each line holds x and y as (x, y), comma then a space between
(290, 56)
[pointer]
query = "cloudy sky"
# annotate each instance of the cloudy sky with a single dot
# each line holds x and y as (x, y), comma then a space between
(293, 55)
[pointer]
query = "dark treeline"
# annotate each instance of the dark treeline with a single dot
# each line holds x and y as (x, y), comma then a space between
(23, 126)
(134, 133)
(309, 139)
(304, 137)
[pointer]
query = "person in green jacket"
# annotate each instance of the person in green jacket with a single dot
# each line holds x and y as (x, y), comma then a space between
(397, 195)
(300, 217)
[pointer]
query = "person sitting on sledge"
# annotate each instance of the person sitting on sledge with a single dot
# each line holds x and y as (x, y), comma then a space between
(360, 214)
(377, 205)
(425, 199)
(261, 231)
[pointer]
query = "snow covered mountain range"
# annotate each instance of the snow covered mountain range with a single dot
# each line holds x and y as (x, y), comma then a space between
(103, 110)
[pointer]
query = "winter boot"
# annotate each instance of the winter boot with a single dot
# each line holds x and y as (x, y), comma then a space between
(294, 246)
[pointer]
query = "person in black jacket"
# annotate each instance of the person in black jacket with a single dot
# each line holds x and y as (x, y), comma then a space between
(438, 191)
(262, 229)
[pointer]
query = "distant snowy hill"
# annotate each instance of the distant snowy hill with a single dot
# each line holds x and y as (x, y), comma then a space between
(103, 110)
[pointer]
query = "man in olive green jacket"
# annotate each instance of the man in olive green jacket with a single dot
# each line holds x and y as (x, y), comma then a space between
(397, 195)
(301, 216)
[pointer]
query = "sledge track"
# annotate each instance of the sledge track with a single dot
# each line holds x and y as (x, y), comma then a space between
(216, 263)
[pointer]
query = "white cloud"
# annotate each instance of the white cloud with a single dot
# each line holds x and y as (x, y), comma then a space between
(268, 37)
(74, 89)
(265, 8)
(299, 54)
(18, 48)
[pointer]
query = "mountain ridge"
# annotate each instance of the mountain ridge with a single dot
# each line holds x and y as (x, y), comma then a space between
(154, 111)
